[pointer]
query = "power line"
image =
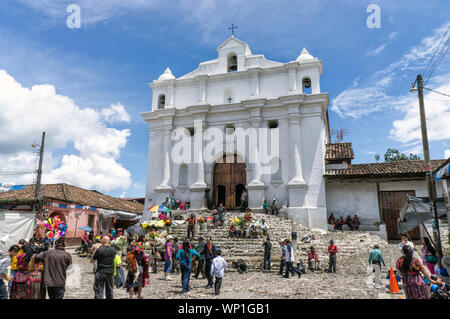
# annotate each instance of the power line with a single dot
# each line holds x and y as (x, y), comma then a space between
(434, 54)
(444, 94)
(437, 57)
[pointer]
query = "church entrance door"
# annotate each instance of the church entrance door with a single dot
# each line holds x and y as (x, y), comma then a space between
(228, 180)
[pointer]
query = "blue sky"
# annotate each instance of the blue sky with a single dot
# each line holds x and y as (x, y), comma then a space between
(86, 86)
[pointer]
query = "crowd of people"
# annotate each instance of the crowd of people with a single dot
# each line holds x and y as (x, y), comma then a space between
(35, 270)
(337, 223)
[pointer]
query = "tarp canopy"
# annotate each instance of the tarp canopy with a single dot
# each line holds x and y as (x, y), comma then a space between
(14, 226)
(408, 219)
(106, 216)
(117, 214)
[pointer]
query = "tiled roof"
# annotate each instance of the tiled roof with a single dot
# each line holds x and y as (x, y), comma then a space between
(339, 151)
(73, 194)
(384, 169)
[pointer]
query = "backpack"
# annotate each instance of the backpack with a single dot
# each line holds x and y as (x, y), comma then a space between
(119, 280)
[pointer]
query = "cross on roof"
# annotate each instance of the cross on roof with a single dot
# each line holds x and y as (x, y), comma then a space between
(232, 28)
(230, 99)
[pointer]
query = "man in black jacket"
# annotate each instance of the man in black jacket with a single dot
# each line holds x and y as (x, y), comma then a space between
(209, 250)
(104, 275)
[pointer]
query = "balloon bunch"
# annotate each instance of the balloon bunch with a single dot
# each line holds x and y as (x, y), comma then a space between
(56, 228)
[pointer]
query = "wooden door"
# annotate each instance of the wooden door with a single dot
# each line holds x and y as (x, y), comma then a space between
(391, 203)
(226, 177)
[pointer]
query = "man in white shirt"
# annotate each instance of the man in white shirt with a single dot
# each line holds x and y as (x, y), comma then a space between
(264, 227)
(404, 242)
(218, 267)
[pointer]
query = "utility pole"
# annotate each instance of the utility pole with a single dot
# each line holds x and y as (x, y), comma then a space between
(39, 175)
(428, 172)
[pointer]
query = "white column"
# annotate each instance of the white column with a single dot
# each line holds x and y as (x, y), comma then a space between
(293, 81)
(171, 94)
(255, 83)
(295, 142)
(202, 90)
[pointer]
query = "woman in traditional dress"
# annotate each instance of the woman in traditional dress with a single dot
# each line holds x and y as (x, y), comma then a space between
(411, 270)
(36, 288)
(138, 265)
(429, 257)
(19, 286)
(222, 210)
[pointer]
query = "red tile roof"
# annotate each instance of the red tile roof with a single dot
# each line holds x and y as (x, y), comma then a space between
(339, 151)
(72, 194)
(384, 169)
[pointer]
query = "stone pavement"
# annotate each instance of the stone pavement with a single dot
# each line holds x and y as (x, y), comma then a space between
(346, 283)
(350, 281)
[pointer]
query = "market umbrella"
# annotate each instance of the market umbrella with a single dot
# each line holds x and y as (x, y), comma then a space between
(86, 228)
(159, 209)
(136, 229)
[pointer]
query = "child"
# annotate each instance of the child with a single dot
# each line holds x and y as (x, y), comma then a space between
(218, 267)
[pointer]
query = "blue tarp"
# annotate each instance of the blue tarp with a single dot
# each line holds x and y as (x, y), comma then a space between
(442, 172)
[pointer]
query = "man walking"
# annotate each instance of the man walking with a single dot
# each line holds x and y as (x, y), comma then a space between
(290, 261)
(168, 257)
(283, 257)
(191, 226)
(104, 275)
(267, 250)
(209, 251)
(332, 249)
(201, 259)
(218, 267)
(5, 262)
(375, 259)
(56, 261)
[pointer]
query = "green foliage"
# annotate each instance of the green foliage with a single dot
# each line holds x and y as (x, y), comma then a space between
(393, 154)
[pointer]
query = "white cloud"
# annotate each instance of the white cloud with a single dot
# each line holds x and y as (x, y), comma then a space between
(376, 51)
(392, 36)
(116, 114)
(25, 113)
(447, 153)
(373, 94)
(437, 112)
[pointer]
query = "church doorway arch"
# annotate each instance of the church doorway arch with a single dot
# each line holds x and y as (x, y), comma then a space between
(229, 180)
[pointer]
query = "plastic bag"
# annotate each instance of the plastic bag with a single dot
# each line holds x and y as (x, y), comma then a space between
(119, 280)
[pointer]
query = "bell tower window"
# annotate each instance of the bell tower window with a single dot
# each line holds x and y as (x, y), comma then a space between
(161, 101)
(232, 63)
(306, 85)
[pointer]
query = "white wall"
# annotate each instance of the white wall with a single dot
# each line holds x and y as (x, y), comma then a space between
(358, 198)
(361, 198)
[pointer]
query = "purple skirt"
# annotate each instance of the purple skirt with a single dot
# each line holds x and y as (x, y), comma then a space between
(415, 287)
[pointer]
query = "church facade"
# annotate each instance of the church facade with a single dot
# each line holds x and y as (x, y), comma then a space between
(276, 110)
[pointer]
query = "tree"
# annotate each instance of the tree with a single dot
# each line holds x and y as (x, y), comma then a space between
(377, 157)
(393, 154)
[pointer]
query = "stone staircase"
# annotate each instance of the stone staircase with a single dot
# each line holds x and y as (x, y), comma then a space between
(353, 246)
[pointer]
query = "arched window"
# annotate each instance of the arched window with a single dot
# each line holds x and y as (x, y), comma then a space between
(232, 63)
(306, 85)
(161, 101)
(275, 166)
(183, 175)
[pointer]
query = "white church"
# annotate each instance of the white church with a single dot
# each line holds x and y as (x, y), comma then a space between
(241, 91)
